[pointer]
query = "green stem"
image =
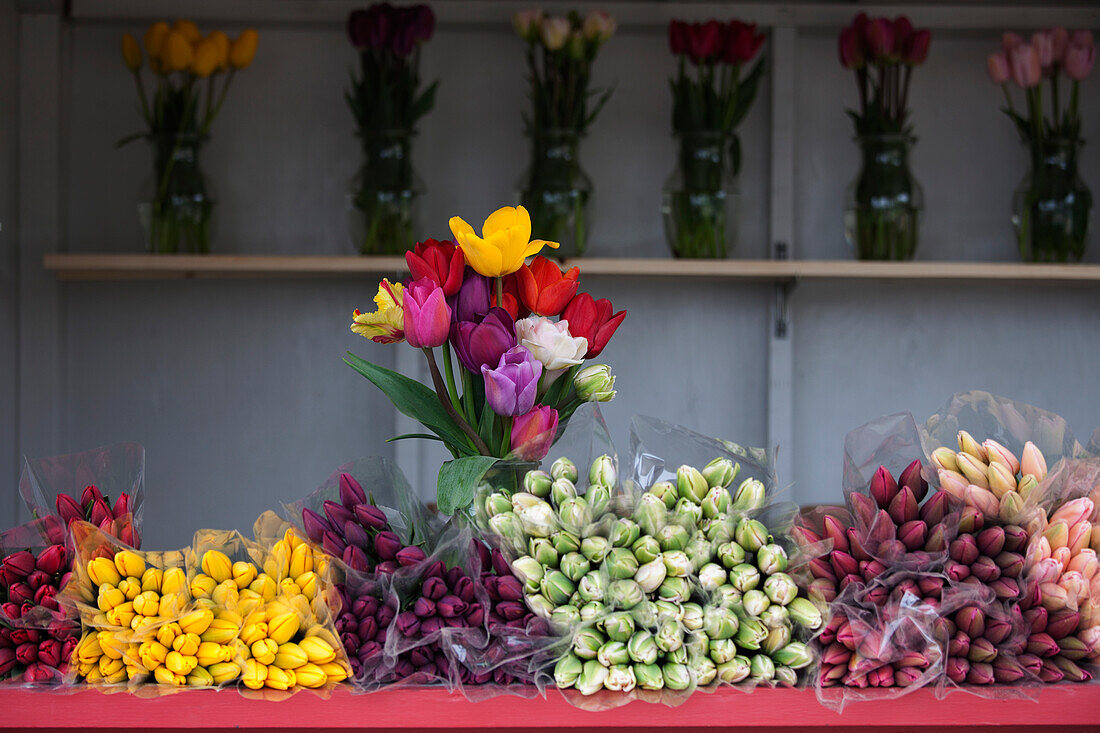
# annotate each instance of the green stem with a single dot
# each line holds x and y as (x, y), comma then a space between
(449, 370)
(144, 99)
(506, 441)
(500, 292)
(440, 390)
(468, 396)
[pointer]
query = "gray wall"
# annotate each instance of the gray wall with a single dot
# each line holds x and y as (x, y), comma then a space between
(8, 265)
(236, 387)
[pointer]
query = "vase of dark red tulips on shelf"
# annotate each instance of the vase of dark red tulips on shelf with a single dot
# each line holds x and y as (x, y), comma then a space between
(884, 202)
(712, 92)
(1052, 205)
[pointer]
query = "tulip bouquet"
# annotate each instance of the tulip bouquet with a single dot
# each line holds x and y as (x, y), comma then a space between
(519, 376)
(387, 101)
(560, 53)
(1051, 207)
(710, 98)
(186, 97)
(884, 201)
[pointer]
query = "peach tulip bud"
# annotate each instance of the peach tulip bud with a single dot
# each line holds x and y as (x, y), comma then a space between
(1074, 511)
(1001, 479)
(1079, 536)
(1032, 462)
(1094, 543)
(971, 447)
(1062, 555)
(999, 454)
(1011, 506)
(973, 469)
(1091, 637)
(983, 500)
(1084, 562)
(1026, 485)
(944, 458)
(1047, 571)
(953, 483)
(1042, 549)
(1075, 586)
(1057, 534)
(1054, 597)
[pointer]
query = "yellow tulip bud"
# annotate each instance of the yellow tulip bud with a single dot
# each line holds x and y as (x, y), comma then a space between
(221, 42)
(130, 655)
(264, 585)
(310, 675)
(301, 560)
(94, 677)
(290, 588)
(290, 656)
(320, 564)
(103, 572)
(220, 631)
(209, 653)
(154, 37)
(247, 595)
(202, 586)
(110, 645)
(157, 651)
(206, 57)
(177, 53)
(124, 613)
(231, 616)
(152, 579)
(283, 627)
(129, 564)
(130, 588)
(334, 671)
(170, 606)
(131, 52)
(217, 565)
(292, 538)
(279, 679)
(224, 672)
(167, 634)
(164, 676)
(264, 650)
(109, 598)
(277, 608)
(243, 574)
(108, 666)
(255, 616)
(278, 565)
(255, 674)
(243, 49)
(174, 580)
(133, 673)
(189, 30)
(196, 622)
(308, 582)
(199, 677)
(317, 650)
(187, 644)
(147, 603)
(180, 663)
(225, 594)
(252, 633)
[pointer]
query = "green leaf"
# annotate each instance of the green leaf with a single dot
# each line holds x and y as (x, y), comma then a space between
(413, 399)
(408, 436)
(458, 480)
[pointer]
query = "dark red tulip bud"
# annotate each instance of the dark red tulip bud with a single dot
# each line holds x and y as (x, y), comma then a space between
(68, 508)
(464, 589)
(355, 535)
(408, 624)
(822, 568)
(434, 588)
(863, 509)
(333, 544)
(410, 556)
(452, 575)
(935, 509)
(1042, 645)
(1015, 538)
(1006, 589)
(351, 643)
(12, 610)
(315, 525)
(49, 652)
(484, 557)
(510, 589)
(129, 535)
(122, 505)
(913, 534)
(45, 596)
(385, 616)
(371, 517)
(19, 565)
(1050, 672)
(911, 477)
(991, 541)
(500, 565)
(336, 513)
(871, 569)
(1062, 623)
(981, 673)
(100, 513)
(511, 610)
(367, 631)
(403, 668)
(27, 653)
(351, 492)
(835, 531)
(52, 559)
(891, 549)
(20, 593)
(903, 507)
(883, 487)
(964, 550)
(855, 545)
(985, 570)
(435, 570)
(424, 607)
(37, 579)
(971, 620)
(475, 615)
(843, 563)
(89, 497)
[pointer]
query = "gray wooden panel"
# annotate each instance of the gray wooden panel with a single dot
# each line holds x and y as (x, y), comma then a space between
(9, 360)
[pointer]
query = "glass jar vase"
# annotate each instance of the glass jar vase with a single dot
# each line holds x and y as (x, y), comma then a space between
(556, 191)
(1052, 205)
(884, 202)
(383, 196)
(505, 477)
(700, 197)
(176, 202)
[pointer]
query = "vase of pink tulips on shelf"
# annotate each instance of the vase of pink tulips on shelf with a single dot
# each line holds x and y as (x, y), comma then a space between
(1052, 205)
(884, 202)
(505, 375)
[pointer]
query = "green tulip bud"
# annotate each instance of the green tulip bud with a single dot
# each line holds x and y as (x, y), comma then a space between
(755, 602)
(776, 639)
(734, 671)
(690, 484)
(751, 634)
(686, 513)
(574, 514)
(677, 656)
(618, 626)
(540, 605)
(522, 500)
(715, 503)
(507, 527)
(731, 554)
(603, 472)
(564, 618)
(649, 676)
(595, 383)
(624, 594)
(646, 549)
(704, 671)
(761, 667)
(699, 550)
(595, 549)
(721, 472)
(599, 501)
(612, 652)
(587, 643)
(624, 532)
(717, 530)
(567, 670)
(575, 566)
(692, 617)
(592, 678)
(538, 520)
(677, 676)
(781, 588)
(672, 537)
(620, 564)
(748, 497)
(651, 513)
(711, 576)
(620, 678)
(722, 650)
(719, 622)
(744, 577)
(563, 468)
(557, 587)
(677, 563)
(771, 558)
(651, 575)
(642, 647)
(676, 590)
(542, 549)
(565, 542)
(805, 613)
(529, 570)
(666, 492)
(795, 655)
(751, 534)
(775, 616)
(696, 643)
(497, 503)
(592, 587)
(785, 676)
(645, 615)
(561, 490)
(726, 595)
(592, 611)
(537, 483)
(669, 609)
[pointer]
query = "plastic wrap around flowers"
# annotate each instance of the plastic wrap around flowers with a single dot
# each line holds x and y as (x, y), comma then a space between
(511, 375)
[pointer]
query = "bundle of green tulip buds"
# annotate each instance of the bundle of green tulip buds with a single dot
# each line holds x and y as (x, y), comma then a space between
(676, 588)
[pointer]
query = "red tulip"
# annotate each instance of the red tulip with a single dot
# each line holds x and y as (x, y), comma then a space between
(850, 47)
(903, 33)
(68, 508)
(997, 66)
(19, 565)
(592, 319)
(534, 433)
(705, 41)
(544, 289)
(1079, 60)
(99, 512)
(916, 50)
(511, 302)
(742, 42)
(1026, 69)
(122, 505)
(679, 37)
(427, 315)
(879, 36)
(442, 262)
(89, 496)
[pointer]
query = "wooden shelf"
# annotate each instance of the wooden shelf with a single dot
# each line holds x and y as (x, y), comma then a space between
(1059, 708)
(102, 267)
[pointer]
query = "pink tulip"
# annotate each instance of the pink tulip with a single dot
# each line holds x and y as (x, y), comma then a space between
(1079, 535)
(1025, 68)
(427, 315)
(953, 483)
(1079, 60)
(1074, 511)
(1063, 555)
(1010, 41)
(534, 433)
(1084, 562)
(1060, 37)
(1027, 72)
(1075, 586)
(850, 49)
(1043, 43)
(1082, 38)
(1047, 571)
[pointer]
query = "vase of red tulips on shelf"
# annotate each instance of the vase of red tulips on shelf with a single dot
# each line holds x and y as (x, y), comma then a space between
(506, 341)
(1052, 205)
(883, 204)
(560, 52)
(712, 92)
(387, 100)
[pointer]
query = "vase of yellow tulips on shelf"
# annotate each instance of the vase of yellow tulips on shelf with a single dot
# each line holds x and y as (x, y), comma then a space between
(191, 75)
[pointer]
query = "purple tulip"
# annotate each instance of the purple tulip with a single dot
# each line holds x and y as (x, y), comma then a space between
(421, 656)
(356, 559)
(424, 607)
(333, 544)
(315, 525)
(407, 556)
(368, 651)
(387, 545)
(423, 22)
(434, 588)
(371, 517)
(430, 625)
(351, 643)
(511, 610)
(475, 614)
(346, 624)
(509, 588)
(355, 535)
(351, 491)
(385, 616)
(483, 341)
(365, 606)
(472, 301)
(435, 570)
(452, 575)
(450, 606)
(464, 589)
(387, 567)
(511, 388)
(407, 623)
(427, 315)
(337, 513)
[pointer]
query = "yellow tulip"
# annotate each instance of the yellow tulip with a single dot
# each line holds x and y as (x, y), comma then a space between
(226, 595)
(217, 565)
(243, 574)
(152, 579)
(202, 586)
(317, 650)
(189, 30)
(310, 675)
(205, 62)
(224, 672)
(180, 664)
(210, 653)
(243, 49)
(200, 678)
(387, 324)
(103, 571)
(196, 622)
(164, 676)
(221, 42)
(289, 656)
(154, 38)
(131, 52)
(334, 671)
(177, 52)
(505, 242)
(254, 674)
(283, 627)
(280, 679)
(186, 644)
(167, 634)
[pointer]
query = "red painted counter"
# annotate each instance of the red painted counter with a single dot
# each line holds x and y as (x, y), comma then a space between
(1059, 708)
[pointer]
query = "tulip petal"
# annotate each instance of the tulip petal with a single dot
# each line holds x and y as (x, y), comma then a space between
(504, 219)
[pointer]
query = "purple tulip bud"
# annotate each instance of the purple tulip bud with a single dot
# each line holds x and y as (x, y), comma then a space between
(981, 673)
(356, 536)
(964, 550)
(430, 625)
(510, 589)
(1062, 623)
(489, 583)
(351, 643)
(451, 606)
(464, 589)
(991, 541)
(408, 624)
(365, 606)
(333, 544)
(387, 545)
(1006, 589)
(389, 567)
(1050, 672)
(457, 622)
(935, 509)
(997, 630)
(957, 669)
(403, 668)
(434, 570)
(475, 615)
(1015, 538)
(433, 588)
(351, 492)
(424, 607)
(384, 616)
(371, 517)
(421, 656)
(971, 620)
(913, 534)
(337, 513)
(407, 556)
(511, 610)
(985, 570)
(843, 563)
(452, 575)
(1042, 645)
(903, 507)
(368, 629)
